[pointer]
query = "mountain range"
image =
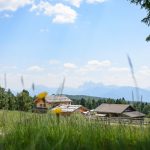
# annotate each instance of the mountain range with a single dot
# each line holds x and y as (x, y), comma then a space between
(100, 90)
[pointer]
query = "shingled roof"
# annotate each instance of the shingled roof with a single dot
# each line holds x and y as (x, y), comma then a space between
(70, 108)
(134, 114)
(55, 98)
(112, 108)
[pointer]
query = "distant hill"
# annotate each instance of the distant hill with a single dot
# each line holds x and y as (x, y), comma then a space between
(86, 97)
(99, 90)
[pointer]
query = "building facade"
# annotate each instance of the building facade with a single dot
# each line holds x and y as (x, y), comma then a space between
(118, 110)
(51, 101)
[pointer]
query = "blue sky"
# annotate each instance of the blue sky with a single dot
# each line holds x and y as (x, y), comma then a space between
(83, 40)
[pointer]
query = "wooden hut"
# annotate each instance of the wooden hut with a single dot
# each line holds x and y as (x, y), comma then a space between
(51, 101)
(70, 109)
(118, 110)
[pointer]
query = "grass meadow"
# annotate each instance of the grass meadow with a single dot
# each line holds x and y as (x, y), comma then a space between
(30, 131)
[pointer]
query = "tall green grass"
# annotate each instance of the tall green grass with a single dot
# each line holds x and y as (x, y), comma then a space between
(19, 130)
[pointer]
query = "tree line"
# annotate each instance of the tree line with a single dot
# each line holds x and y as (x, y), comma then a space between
(90, 103)
(23, 101)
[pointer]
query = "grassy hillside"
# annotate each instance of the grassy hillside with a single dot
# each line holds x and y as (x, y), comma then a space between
(19, 130)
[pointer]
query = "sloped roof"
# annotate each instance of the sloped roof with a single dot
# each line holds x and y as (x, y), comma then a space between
(134, 114)
(112, 108)
(37, 100)
(69, 108)
(56, 98)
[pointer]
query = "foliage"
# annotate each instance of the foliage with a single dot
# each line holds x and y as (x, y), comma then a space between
(7, 99)
(22, 101)
(145, 4)
(92, 103)
(41, 132)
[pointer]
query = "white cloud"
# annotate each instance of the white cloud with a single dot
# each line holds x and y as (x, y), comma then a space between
(119, 69)
(97, 63)
(145, 71)
(53, 62)
(95, 1)
(76, 3)
(6, 15)
(8, 67)
(60, 12)
(35, 69)
(13, 5)
(43, 30)
(43, 7)
(70, 66)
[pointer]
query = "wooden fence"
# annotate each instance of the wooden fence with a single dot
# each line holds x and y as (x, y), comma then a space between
(121, 120)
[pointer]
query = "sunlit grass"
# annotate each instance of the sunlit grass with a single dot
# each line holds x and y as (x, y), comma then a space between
(21, 130)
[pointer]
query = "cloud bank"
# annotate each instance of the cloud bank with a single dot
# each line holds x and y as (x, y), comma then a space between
(60, 12)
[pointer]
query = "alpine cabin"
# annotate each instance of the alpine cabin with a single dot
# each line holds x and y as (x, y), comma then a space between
(118, 110)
